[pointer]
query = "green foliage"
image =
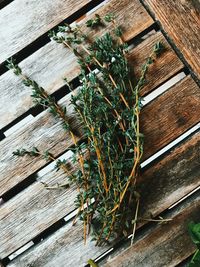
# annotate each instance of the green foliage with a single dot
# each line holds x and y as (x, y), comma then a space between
(158, 48)
(108, 106)
(40, 96)
(109, 17)
(93, 23)
(194, 230)
(22, 152)
(11, 65)
(118, 32)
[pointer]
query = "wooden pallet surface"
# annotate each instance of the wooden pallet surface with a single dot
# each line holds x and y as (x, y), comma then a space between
(32, 213)
(67, 246)
(8, 209)
(46, 133)
(181, 21)
(156, 248)
(22, 22)
(50, 64)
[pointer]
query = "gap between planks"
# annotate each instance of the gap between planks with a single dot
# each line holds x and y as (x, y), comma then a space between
(4, 3)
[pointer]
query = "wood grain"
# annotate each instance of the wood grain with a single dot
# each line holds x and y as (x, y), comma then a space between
(34, 210)
(168, 245)
(164, 67)
(181, 20)
(46, 133)
(162, 120)
(22, 22)
(170, 115)
(50, 64)
(66, 245)
(173, 177)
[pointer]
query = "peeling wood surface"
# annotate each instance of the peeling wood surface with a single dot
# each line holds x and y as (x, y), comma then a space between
(50, 64)
(167, 245)
(181, 20)
(66, 245)
(22, 22)
(65, 248)
(46, 132)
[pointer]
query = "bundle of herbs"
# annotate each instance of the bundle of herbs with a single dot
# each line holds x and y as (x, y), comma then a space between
(108, 104)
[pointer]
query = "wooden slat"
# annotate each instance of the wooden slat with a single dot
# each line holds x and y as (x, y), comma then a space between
(170, 115)
(23, 22)
(52, 62)
(45, 133)
(165, 182)
(181, 20)
(34, 210)
(167, 245)
(166, 66)
(173, 177)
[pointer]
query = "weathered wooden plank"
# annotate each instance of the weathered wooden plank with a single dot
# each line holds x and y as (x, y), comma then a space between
(181, 20)
(23, 22)
(34, 210)
(165, 182)
(44, 132)
(167, 65)
(52, 62)
(167, 245)
(163, 120)
(170, 115)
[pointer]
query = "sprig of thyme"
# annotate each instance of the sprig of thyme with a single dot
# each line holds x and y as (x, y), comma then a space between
(108, 105)
(40, 96)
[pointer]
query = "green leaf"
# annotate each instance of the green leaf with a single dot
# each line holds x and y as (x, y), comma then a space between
(118, 32)
(158, 48)
(92, 23)
(109, 17)
(194, 230)
(195, 262)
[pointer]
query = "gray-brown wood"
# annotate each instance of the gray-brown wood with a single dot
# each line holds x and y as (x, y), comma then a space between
(167, 245)
(163, 183)
(170, 114)
(34, 210)
(164, 67)
(46, 133)
(50, 64)
(181, 20)
(22, 22)
(163, 120)
(173, 176)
